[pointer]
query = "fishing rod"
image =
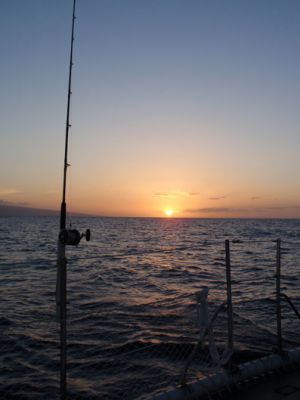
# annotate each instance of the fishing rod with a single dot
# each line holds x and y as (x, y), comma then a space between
(66, 237)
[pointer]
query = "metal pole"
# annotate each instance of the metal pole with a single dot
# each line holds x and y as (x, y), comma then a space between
(61, 288)
(229, 295)
(278, 295)
(62, 311)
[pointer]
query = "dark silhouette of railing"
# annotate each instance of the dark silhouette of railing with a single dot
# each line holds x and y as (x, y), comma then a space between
(228, 306)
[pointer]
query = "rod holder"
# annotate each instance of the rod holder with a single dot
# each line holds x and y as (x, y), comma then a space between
(229, 297)
(278, 295)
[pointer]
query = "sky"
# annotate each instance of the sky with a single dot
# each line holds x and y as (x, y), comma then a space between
(190, 106)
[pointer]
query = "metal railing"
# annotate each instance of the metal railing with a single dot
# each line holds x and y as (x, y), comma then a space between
(119, 338)
(209, 322)
(280, 296)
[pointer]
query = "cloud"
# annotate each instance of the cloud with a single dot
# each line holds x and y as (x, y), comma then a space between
(255, 197)
(8, 191)
(175, 194)
(217, 198)
(13, 203)
(277, 208)
(50, 192)
(225, 210)
(163, 194)
(216, 210)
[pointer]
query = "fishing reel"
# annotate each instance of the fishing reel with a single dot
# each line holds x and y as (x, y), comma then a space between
(72, 237)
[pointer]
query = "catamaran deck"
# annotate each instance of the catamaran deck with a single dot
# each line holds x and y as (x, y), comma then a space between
(277, 386)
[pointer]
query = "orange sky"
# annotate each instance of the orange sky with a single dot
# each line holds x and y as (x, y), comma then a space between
(193, 109)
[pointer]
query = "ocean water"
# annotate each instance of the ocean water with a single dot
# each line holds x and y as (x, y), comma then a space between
(132, 312)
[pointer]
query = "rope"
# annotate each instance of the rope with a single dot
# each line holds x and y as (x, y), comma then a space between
(205, 325)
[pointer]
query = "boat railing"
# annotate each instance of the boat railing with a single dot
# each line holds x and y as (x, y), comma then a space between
(277, 345)
(134, 317)
(289, 301)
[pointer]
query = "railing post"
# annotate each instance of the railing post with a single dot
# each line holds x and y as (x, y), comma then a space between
(278, 295)
(229, 295)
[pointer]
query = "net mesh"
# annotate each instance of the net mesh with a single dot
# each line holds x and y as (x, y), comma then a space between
(133, 327)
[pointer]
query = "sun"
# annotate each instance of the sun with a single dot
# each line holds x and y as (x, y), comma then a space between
(169, 212)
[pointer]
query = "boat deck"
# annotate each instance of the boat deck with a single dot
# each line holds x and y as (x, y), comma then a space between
(277, 386)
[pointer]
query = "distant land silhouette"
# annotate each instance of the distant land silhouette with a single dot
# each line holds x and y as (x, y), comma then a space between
(19, 211)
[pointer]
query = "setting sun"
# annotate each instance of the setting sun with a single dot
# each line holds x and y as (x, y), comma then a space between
(169, 212)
